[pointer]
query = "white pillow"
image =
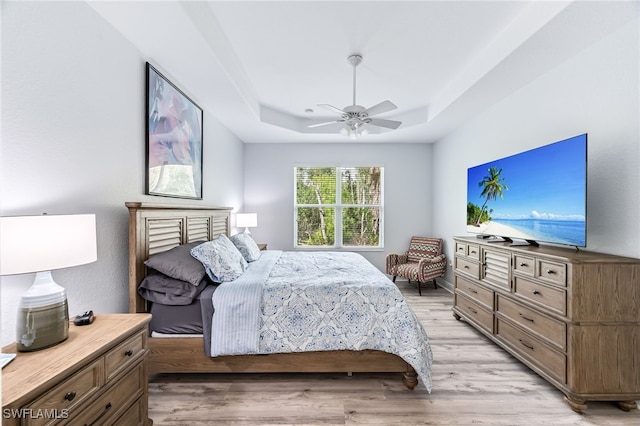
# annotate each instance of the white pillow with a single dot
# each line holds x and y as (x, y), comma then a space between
(247, 246)
(221, 259)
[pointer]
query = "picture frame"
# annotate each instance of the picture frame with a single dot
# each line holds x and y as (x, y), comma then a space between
(174, 133)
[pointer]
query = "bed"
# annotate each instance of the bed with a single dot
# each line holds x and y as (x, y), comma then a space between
(159, 228)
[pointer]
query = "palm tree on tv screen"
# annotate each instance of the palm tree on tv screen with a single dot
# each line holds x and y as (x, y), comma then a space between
(492, 187)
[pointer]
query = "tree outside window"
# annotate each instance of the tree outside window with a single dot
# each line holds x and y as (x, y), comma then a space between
(338, 206)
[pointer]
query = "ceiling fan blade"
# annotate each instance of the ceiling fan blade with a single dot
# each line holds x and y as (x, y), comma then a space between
(389, 124)
(332, 108)
(384, 106)
(324, 123)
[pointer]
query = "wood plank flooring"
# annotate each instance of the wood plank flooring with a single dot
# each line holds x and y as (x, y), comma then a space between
(474, 382)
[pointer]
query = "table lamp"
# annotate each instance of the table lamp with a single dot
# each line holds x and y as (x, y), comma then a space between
(246, 220)
(41, 244)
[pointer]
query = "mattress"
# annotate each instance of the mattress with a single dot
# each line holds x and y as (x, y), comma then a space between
(183, 319)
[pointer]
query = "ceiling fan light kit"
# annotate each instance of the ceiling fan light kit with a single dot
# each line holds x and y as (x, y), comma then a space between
(357, 118)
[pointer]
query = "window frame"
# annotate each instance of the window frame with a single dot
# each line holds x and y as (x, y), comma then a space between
(338, 207)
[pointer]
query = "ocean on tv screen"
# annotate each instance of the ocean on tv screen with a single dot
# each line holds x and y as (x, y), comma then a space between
(569, 232)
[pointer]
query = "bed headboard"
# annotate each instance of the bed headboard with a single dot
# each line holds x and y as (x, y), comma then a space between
(154, 228)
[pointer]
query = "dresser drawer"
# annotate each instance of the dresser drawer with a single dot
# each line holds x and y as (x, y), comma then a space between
(68, 395)
(472, 251)
(546, 328)
(124, 354)
(539, 354)
(524, 265)
(134, 416)
(555, 273)
(475, 312)
(549, 297)
(468, 267)
(115, 401)
(475, 292)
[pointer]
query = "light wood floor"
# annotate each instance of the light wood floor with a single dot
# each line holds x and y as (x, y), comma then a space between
(474, 382)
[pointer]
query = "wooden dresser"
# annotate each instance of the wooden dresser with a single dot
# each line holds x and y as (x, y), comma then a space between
(98, 376)
(571, 316)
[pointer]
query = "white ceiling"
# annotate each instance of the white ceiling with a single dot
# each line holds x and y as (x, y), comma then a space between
(257, 66)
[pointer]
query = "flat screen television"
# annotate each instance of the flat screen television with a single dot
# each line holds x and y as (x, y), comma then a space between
(531, 197)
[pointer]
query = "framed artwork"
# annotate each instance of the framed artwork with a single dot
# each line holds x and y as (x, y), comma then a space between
(174, 140)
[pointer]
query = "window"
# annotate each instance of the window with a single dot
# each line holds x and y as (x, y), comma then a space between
(338, 206)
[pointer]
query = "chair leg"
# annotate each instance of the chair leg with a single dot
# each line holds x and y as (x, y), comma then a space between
(394, 279)
(435, 285)
(419, 289)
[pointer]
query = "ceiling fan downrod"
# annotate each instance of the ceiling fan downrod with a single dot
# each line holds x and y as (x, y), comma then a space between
(354, 60)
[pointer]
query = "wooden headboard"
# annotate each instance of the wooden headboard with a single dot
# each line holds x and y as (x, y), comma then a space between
(154, 228)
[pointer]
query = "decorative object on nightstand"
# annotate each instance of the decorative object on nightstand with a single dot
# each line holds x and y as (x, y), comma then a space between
(246, 221)
(40, 244)
(97, 377)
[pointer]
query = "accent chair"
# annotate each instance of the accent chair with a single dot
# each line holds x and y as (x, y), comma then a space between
(423, 262)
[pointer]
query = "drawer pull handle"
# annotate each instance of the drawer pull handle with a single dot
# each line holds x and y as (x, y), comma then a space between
(106, 409)
(536, 292)
(550, 271)
(465, 267)
(128, 352)
(473, 252)
(472, 290)
(523, 264)
(472, 310)
(525, 345)
(523, 317)
(70, 396)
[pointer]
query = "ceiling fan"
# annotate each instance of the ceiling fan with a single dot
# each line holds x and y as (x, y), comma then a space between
(356, 117)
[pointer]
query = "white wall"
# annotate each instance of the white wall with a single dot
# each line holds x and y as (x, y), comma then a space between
(595, 92)
(407, 188)
(73, 142)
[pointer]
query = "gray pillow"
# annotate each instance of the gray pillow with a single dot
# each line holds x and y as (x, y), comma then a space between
(159, 288)
(221, 259)
(178, 263)
(247, 246)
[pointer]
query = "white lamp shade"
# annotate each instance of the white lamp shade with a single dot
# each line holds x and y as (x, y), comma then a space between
(246, 220)
(47, 242)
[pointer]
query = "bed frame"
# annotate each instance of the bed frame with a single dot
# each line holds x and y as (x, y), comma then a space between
(154, 228)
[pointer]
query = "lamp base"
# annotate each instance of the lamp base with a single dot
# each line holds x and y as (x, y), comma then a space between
(42, 327)
(43, 315)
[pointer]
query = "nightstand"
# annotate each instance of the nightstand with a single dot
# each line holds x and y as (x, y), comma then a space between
(262, 246)
(97, 376)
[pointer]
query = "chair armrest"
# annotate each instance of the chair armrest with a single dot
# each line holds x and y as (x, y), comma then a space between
(394, 259)
(431, 268)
